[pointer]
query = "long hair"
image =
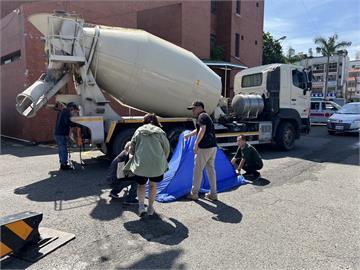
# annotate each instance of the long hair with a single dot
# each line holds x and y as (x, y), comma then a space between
(151, 118)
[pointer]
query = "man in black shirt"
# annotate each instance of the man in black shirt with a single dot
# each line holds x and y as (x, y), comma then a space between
(205, 151)
(248, 159)
(62, 130)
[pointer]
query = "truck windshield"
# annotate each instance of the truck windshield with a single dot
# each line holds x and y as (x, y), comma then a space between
(350, 109)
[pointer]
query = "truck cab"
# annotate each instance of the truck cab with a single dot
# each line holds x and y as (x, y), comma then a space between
(285, 90)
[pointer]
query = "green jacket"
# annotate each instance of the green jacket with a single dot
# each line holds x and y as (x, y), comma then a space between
(150, 148)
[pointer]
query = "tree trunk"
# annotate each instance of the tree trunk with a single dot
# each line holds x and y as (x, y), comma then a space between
(327, 75)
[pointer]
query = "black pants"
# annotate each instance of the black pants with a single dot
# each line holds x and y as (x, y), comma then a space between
(141, 180)
(120, 184)
(252, 168)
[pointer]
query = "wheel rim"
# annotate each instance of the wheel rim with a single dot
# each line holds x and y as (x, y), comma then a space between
(288, 137)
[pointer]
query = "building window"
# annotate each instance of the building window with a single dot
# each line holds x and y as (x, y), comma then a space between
(10, 57)
(216, 51)
(332, 67)
(257, 4)
(242, 37)
(238, 7)
(255, 42)
(213, 7)
(237, 45)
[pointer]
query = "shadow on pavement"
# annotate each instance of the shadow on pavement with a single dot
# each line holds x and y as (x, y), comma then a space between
(223, 212)
(261, 182)
(20, 149)
(105, 210)
(159, 229)
(69, 189)
(318, 147)
(163, 260)
(14, 263)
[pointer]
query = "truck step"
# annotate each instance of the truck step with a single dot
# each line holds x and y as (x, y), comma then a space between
(67, 59)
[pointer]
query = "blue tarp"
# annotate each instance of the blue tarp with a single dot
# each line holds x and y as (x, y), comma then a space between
(178, 179)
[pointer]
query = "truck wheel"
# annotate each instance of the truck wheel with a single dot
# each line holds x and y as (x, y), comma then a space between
(285, 137)
(331, 132)
(173, 136)
(120, 140)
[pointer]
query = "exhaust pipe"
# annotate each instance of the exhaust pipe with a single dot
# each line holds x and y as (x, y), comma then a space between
(37, 95)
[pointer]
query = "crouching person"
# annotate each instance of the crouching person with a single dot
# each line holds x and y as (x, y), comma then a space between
(119, 180)
(248, 159)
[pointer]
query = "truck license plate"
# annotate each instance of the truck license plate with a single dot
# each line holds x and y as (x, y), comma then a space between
(339, 127)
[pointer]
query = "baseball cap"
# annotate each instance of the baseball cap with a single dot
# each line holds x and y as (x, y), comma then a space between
(72, 105)
(196, 103)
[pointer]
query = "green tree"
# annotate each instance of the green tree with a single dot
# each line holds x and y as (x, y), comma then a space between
(291, 57)
(328, 47)
(272, 50)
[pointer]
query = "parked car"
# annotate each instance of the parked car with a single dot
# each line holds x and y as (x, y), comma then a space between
(347, 119)
(321, 110)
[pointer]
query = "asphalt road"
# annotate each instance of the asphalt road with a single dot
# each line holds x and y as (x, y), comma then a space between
(303, 214)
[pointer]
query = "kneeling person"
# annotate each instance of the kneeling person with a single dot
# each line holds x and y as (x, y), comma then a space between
(248, 158)
(118, 183)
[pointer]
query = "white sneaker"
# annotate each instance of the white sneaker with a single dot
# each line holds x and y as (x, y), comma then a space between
(211, 197)
(192, 196)
(150, 211)
(142, 211)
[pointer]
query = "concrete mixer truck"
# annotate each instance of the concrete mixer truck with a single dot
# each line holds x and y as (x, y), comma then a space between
(271, 103)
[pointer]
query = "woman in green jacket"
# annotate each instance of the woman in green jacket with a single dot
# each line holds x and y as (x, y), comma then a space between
(150, 148)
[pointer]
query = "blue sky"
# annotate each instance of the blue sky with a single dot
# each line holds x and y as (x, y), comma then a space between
(303, 20)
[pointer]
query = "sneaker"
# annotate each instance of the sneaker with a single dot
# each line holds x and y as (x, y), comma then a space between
(256, 175)
(248, 175)
(142, 211)
(131, 202)
(192, 196)
(150, 211)
(211, 197)
(65, 167)
(114, 196)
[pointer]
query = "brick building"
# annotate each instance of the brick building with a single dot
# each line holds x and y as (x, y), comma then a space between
(229, 31)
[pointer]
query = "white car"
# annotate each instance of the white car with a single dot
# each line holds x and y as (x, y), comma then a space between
(347, 119)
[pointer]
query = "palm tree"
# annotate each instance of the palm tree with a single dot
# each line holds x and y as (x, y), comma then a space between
(328, 48)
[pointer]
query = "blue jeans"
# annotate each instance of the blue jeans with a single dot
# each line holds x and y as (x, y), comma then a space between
(61, 142)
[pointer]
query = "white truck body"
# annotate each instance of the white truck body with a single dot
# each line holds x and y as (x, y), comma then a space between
(153, 75)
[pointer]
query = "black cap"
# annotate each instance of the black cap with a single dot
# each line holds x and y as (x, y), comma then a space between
(72, 105)
(196, 103)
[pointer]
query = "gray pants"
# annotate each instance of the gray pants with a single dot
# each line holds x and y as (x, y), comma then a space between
(205, 159)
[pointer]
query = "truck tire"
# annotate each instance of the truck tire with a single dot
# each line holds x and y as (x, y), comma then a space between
(331, 132)
(285, 136)
(120, 140)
